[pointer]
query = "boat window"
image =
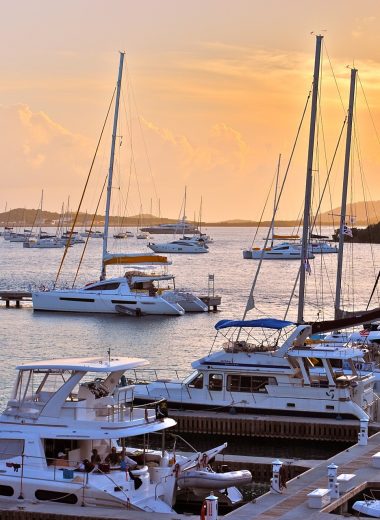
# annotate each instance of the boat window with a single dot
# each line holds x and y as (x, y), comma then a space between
(197, 382)
(103, 287)
(10, 448)
(245, 383)
(215, 382)
(66, 498)
(6, 491)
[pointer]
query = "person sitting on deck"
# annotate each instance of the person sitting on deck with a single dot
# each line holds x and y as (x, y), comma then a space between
(126, 462)
(113, 458)
(95, 457)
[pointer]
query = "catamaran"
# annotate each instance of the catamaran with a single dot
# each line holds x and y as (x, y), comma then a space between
(134, 294)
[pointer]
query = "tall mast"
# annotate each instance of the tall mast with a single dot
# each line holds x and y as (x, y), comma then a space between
(309, 181)
(346, 172)
(110, 170)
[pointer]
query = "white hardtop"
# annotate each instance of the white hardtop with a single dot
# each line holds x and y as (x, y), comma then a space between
(90, 364)
(328, 352)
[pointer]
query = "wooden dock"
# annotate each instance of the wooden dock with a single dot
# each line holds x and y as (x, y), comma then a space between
(292, 503)
(212, 302)
(268, 426)
(15, 296)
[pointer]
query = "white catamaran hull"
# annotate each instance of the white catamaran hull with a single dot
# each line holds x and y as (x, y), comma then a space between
(83, 301)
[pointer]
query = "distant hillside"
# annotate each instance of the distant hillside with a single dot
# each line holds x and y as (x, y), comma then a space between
(362, 214)
(29, 217)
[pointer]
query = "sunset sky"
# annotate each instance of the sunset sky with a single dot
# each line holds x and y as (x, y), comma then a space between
(215, 91)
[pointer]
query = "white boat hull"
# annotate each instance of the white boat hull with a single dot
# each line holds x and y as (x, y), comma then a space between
(88, 302)
(368, 507)
(183, 248)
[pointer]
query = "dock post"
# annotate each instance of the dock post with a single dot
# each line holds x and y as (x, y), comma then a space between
(17, 304)
(363, 433)
(332, 472)
(275, 481)
(7, 304)
(209, 509)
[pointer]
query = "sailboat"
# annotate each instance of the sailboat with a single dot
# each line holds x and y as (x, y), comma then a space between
(268, 365)
(43, 240)
(288, 250)
(113, 295)
(182, 245)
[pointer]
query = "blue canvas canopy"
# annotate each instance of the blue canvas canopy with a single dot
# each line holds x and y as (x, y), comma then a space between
(266, 323)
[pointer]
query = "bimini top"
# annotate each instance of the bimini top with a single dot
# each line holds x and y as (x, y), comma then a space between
(90, 364)
(266, 323)
(134, 258)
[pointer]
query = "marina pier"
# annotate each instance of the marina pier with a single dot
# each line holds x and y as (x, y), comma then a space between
(268, 426)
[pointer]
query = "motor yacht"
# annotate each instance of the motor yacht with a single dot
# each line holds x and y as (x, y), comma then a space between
(181, 227)
(180, 246)
(255, 373)
(62, 410)
(283, 251)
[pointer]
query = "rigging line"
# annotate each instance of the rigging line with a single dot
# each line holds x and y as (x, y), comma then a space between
(329, 172)
(89, 233)
(129, 128)
(373, 290)
(84, 190)
(143, 138)
(320, 120)
(332, 71)
(292, 293)
(250, 297)
(362, 177)
(132, 165)
(264, 208)
(369, 110)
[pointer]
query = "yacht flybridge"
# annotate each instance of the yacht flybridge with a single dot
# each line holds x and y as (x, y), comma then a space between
(256, 373)
(62, 410)
(61, 407)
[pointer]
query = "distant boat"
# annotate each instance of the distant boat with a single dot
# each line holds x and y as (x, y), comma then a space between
(180, 227)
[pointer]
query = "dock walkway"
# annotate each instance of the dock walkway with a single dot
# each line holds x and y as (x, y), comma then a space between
(292, 503)
(15, 296)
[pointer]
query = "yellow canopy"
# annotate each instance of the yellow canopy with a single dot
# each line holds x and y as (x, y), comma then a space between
(135, 259)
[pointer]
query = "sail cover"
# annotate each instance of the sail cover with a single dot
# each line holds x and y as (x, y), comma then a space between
(356, 319)
(266, 323)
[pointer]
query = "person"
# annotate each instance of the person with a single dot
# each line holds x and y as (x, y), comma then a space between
(112, 458)
(61, 455)
(95, 457)
(126, 462)
(86, 466)
(123, 380)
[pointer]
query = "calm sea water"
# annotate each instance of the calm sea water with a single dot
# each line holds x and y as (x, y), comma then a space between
(167, 342)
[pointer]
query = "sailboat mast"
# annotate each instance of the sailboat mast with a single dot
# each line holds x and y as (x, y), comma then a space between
(110, 171)
(309, 181)
(338, 288)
